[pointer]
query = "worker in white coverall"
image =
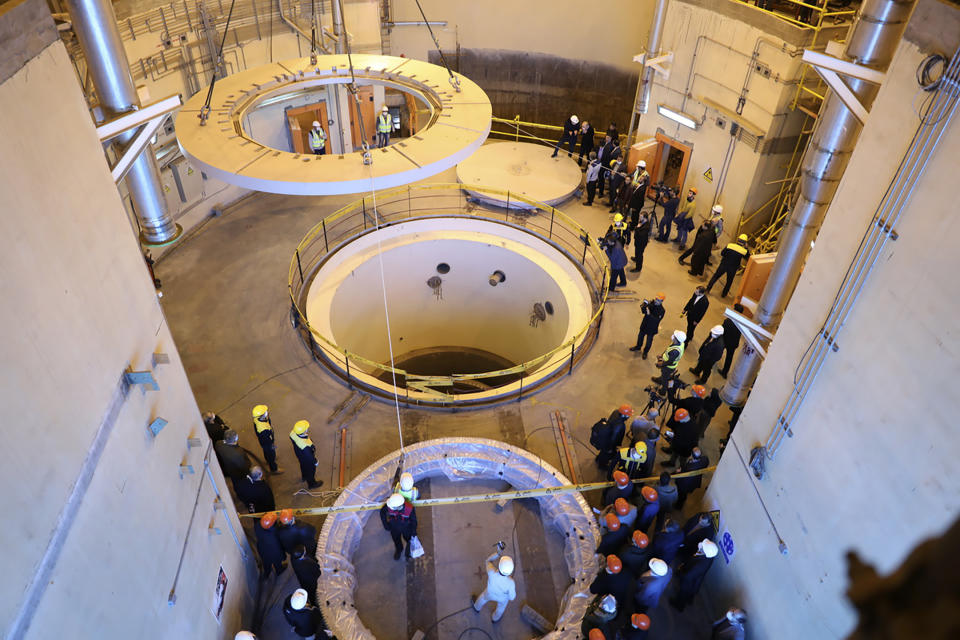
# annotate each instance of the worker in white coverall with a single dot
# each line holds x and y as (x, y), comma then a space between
(500, 586)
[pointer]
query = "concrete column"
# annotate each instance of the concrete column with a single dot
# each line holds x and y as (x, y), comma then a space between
(96, 28)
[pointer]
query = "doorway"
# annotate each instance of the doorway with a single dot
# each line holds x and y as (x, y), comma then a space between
(300, 121)
(672, 161)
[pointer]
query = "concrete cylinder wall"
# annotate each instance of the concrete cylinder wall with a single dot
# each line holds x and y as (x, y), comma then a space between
(98, 514)
(871, 464)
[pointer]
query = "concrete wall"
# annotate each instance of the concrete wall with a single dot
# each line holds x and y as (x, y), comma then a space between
(97, 512)
(713, 48)
(871, 464)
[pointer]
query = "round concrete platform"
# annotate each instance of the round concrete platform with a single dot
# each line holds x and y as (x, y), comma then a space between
(523, 168)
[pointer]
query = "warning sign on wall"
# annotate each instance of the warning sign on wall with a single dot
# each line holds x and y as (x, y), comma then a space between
(708, 174)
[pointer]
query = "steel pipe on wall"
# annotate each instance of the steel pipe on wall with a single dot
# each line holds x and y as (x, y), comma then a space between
(872, 43)
(642, 100)
(96, 28)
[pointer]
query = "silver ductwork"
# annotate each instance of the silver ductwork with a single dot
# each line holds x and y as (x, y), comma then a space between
(872, 43)
(95, 25)
(641, 101)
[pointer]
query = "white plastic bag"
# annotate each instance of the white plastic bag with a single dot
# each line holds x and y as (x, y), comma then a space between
(416, 549)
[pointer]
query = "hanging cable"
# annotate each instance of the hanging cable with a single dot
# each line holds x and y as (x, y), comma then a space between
(352, 87)
(454, 81)
(205, 110)
(313, 33)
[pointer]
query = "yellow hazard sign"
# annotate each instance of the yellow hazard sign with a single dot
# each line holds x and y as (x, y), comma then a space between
(708, 174)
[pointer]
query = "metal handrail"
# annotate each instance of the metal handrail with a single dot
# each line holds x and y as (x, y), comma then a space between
(359, 217)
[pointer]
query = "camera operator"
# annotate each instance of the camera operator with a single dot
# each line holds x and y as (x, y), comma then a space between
(682, 434)
(641, 236)
(653, 313)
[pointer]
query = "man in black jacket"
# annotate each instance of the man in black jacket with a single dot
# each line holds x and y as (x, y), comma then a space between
(731, 340)
(683, 434)
(305, 620)
(695, 530)
(614, 580)
(307, 570)
(608, 152)
(730, 259)
(670, 201)
(254, 492)
(586, 141)
(689, 576)
(689, 484)
(570, 130)
(641, 236)
(609, 436)
(701, 248)
(694, 310)
(709, 355)
(399, 518)
(215, 425)
(653, 313)
(292, 533)
(268, 544)
(233, 459)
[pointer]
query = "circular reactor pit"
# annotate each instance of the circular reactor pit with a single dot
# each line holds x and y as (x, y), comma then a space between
(523, 169)
(458, 123)
(480, 307)
(359, 576)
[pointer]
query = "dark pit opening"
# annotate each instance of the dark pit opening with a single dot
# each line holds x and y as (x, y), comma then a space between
(443, 361)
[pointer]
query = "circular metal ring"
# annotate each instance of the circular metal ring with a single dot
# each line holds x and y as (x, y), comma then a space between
(459, 124)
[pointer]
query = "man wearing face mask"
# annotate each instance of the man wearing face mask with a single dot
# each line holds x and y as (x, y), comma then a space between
(694, 310)
(653, 313)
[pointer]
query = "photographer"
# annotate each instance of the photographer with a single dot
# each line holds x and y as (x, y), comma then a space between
(641, 236)
(653, 313)
(618, 260)
(682, 434)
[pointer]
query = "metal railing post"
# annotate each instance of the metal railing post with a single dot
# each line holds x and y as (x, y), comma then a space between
(517, 124)
(508, 202)
(572, 347)
(299, 266)
(553, 211)
(326, 247)
(347, 356)
(409, 208)
(363, 202)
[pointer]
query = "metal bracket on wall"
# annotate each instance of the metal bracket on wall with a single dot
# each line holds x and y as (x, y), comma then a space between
(157, 426)
(660, 64)
(830, 68)
(144, 378)
(751, 331)
(148, 119)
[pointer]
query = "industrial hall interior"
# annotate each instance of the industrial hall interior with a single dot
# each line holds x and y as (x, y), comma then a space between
(460, 320)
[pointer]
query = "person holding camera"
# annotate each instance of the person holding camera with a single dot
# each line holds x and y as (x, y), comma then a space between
(618, 260)
(500, 586)
(670, 202)
(653, 313)
(682, 434)
(641, 236)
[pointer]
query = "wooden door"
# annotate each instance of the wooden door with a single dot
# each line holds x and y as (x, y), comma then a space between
(686, 149)
(368, 113)
(300, 121)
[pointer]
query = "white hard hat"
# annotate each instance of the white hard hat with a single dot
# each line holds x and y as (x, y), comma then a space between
(609, 603)
(679, 335)
(299, 599)
(658, 567)
(574, 119)
(395, 502)
(717, 209)
(385, 108)
(717, 330)
(505, 566)
(708, 548)
(642, 164)
(244, 635)
(406, 481)
(316, 124)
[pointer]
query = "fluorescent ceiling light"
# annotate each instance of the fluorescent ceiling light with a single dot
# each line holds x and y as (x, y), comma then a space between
(678, 117)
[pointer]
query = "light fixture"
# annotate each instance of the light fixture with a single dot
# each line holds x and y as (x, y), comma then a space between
(678, 117)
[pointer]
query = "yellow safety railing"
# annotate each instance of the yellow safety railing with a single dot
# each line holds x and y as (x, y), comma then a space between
(520, 130)
(444, 200)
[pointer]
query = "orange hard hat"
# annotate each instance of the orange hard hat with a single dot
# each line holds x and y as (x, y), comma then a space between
(640, 620)
(621, 506)
(661, 297)
(596, 634)
(640, 539)
(649, 494)
(698, 390)
(694, 189)
(268, 519)
(621, 479)
(286, 516)
(681, 414)
(626, 410)
(612, 522)
(613, 564)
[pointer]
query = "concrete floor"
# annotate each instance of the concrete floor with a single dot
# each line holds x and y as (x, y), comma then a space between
(226, 300)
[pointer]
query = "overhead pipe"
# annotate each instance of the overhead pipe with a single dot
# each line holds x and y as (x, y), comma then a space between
(338, 29)
(293, 25)
(872, 43)
(641, 100)
(95, 25)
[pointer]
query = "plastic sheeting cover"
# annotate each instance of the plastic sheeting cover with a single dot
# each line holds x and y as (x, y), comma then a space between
(456, 459)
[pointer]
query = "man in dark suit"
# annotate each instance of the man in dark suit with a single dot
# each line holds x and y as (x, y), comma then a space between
(653, 313)
(731, 340)
(694, 310)
(687, 485)
(709, 354)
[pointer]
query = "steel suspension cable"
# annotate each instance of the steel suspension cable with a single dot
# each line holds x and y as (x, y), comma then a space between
(453, 79)
(205, 110)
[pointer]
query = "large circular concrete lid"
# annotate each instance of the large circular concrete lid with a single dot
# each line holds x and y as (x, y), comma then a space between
(522, 168)
(458, 126)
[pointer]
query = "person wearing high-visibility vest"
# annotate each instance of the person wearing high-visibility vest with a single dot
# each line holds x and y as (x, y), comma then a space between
(384, 127)
(406, 489)
(730, 259)
(669, 360)
(261, 424)
(318, 139)
(306, 453)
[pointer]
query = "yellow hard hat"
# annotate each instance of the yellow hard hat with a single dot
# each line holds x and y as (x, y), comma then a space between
(259, 410)
(743, 237)
(618, 218)
(613, 162)
(301, 427)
